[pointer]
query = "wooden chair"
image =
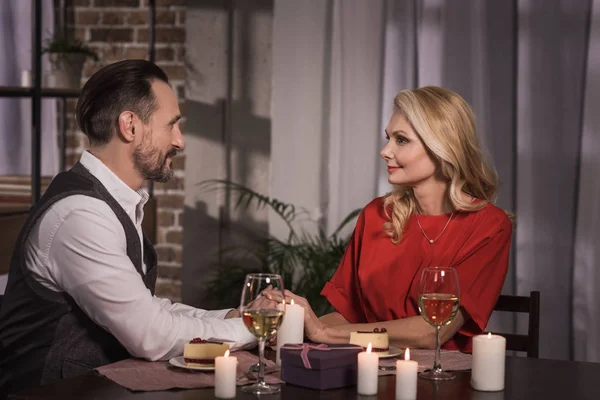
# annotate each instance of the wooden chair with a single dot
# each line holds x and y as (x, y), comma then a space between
(529, 343)
(11, 227)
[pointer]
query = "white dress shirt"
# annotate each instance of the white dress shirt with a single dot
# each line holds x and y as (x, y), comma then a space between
(78, 246)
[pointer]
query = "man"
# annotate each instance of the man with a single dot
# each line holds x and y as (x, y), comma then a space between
(80, 291)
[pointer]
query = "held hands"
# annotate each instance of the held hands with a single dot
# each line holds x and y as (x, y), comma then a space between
(313, 327)
(264, 302)
(261, 302)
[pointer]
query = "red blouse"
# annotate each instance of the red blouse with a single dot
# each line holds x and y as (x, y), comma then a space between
(379, 281)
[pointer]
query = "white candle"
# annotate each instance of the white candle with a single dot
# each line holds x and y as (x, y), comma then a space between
(291, 329)
(487, 371)
(368, 366)
(406, 378)
(225, 374)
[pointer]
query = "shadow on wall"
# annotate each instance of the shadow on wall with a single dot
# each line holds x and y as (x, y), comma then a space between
(204, 232)
(224, 143)
(201, 253)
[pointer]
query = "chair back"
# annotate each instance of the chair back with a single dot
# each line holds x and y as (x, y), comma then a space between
(11, 224)
(529, 343)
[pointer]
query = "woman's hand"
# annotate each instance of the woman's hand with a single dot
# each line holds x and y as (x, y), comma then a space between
(313, 327)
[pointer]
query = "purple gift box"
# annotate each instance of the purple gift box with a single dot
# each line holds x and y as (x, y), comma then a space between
(320, 366)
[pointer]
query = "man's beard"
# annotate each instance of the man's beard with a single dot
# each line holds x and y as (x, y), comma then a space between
(151, 163)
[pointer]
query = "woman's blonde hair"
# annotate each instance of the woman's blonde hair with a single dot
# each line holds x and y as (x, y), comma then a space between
(444, 122)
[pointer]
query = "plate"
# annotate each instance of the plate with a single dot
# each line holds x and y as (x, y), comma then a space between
(393, 352)
(178, 362)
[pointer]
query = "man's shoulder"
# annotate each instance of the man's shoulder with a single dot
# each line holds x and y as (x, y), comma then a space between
(70, 181)
(77, 213)
(75, 218)
(77, 205)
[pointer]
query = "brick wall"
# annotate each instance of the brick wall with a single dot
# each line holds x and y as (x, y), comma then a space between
(118, 29)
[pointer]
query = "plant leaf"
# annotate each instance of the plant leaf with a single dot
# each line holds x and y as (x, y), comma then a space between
(304, 260)
(286, 211)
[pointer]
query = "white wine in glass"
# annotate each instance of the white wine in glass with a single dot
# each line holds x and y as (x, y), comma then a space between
(438, 309)
(262, 317)
(439, 299)
(262, 323)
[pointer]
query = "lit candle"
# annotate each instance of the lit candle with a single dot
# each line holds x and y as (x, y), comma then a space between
(225, 374)
(368, 366)
(291, 329)
(487, 371)
(406, 378)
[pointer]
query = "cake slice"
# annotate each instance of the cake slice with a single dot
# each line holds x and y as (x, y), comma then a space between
(200, 353)
(380, 342)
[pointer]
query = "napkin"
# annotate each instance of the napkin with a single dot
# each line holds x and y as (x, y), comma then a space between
(451, 360)
(140, 375)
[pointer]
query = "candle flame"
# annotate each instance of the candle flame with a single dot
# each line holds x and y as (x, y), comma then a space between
(489, 335)
(226, 354)
(407, 354)
(291, 301)
(369, 347)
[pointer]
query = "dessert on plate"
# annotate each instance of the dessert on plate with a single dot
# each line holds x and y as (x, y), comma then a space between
(380, 342)
(202, 353)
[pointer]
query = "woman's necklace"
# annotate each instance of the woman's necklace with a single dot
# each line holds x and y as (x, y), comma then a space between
(438, 236)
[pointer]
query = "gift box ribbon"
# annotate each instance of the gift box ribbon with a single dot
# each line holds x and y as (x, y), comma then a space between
(306, 347)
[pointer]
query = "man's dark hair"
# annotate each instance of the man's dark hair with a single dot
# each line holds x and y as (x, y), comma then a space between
(121, 86)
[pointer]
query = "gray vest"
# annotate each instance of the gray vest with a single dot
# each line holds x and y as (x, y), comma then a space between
(44, 335)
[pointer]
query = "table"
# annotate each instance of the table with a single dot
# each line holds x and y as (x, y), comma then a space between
(526, 378)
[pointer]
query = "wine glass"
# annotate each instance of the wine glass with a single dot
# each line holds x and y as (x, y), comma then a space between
(438, 303)
(262, 317)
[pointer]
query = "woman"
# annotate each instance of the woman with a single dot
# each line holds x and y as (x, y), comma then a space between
(439, 212)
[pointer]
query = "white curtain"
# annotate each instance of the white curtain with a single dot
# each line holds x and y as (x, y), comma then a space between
(520, 64)
(354, 99)
(15, 113)
(326, 101)
(552, 52)
(586, 282)
(298, 106)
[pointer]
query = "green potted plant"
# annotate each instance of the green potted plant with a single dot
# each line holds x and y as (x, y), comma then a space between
(67, 57)
(305, 260)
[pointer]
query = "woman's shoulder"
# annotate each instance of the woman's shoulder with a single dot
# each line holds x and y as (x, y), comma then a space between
(374, 209)
(375, 204)
(372, 214)
(494, 216)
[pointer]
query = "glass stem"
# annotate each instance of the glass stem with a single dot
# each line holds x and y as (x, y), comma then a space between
(261, 361)
(437, 365)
